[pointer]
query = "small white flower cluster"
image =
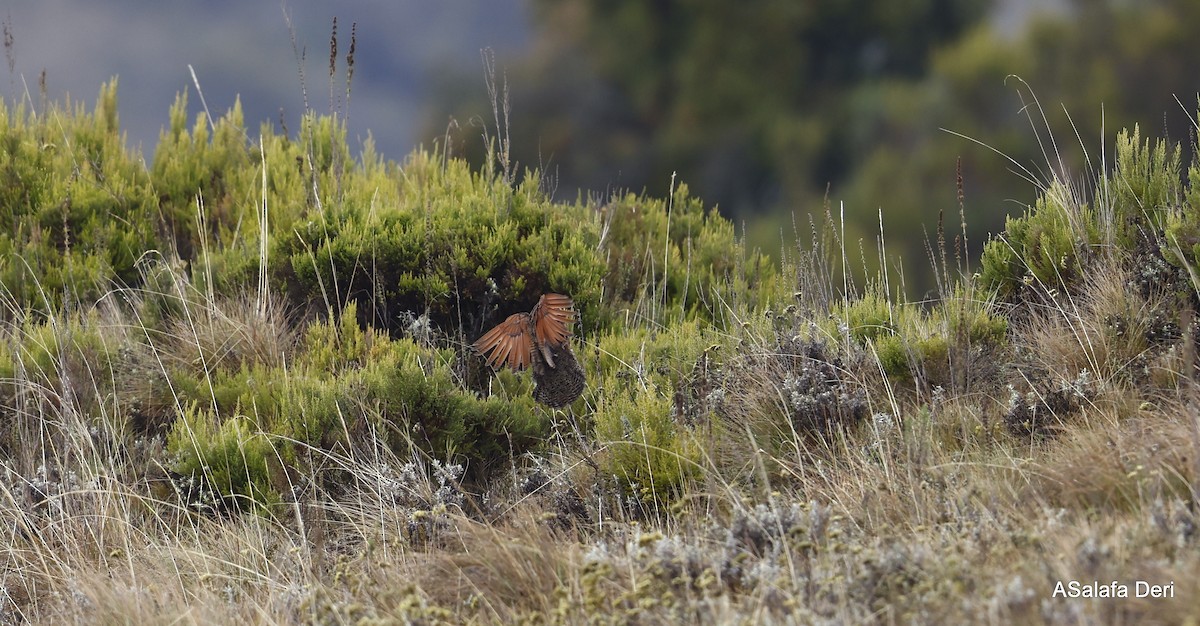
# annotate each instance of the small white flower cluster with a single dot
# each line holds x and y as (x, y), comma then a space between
(817, 397)
(882, 426)
(448, 476)
(427, 493)
(1027, 412)
(419, 327)
(715, 399)
(47, 490)
(409, 486)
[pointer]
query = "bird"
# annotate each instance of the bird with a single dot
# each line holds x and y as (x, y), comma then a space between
(540, 339)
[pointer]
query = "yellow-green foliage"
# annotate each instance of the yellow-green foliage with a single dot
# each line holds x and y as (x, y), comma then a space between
(209, 167)
(1041, 247)
(366, 240)
(908, 340)
(298, 404)
(873, 320)
(432, 411)
(972, 320)
(868, 317)
(449, 244)
(340, 343)
(661, 356)
(1145, 187)
(641, 375)
(429, 235)
(233, 455)
(1182, 227)
(344, 383)
(54, 354)
(643, 447)
(695, 249)
(50, 366)
(1147, 217)
(76, 208)
(1153, 209)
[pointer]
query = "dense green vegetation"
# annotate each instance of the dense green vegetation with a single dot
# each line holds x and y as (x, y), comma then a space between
(236, 381)
(424, 255)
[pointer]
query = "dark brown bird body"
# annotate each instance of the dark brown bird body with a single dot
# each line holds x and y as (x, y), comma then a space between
(559, 385)
(541, 338)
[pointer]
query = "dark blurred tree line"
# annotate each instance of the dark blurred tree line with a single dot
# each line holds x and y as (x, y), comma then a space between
(768, 107)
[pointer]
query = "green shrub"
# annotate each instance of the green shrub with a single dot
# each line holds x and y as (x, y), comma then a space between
(651, 403)
(229, 457)
(344, 384)
(893, 356)
(452, 245)
(913, 343)
(868, 317)
(72, 359)
(1145, 188)
(207, 168)
(370, 243)
(1042, 247)
(643, 447)
(678, 247)
(77, 209)
(1147, 217)
(339, 343)
(429, 410)
(973, 321)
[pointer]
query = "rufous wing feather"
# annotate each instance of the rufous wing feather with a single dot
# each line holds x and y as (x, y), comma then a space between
(552, 319)
(509, 343)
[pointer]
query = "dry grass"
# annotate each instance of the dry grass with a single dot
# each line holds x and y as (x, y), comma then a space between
(904, 531)
(229, 333)
(930, 511)
(927, 510)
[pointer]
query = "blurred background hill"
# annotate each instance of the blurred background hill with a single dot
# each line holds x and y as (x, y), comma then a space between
(765, 109)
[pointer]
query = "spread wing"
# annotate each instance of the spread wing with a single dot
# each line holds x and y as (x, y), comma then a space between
(552, 319)
(509, 343)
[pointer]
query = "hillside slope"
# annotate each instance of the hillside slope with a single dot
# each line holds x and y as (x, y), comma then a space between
(236, 385)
